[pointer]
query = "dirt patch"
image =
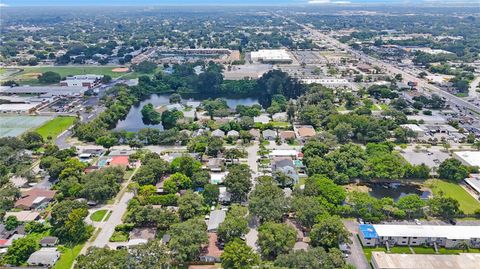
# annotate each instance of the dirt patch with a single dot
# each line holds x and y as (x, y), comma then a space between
(32, 75)
(120, 70)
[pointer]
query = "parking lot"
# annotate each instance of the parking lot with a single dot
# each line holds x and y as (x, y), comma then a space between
(431, 157)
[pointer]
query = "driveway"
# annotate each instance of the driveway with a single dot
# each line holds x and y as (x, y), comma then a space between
(356, 257)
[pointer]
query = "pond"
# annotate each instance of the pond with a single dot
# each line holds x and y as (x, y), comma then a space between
(396, 190)
(133, 121)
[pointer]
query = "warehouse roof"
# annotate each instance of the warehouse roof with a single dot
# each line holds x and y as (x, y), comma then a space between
(368, 231)
(436, 231)
(471, 158)
(382, 260)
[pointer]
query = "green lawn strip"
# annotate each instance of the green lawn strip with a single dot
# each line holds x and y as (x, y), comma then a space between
(468, 204)
(108, 215)
(119, 236)
(368, 251)
(98, 215)
(68, 257)
(55, 127)
(280, 124)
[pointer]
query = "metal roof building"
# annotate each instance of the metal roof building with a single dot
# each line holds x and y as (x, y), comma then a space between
(435, 231)
(47, 90)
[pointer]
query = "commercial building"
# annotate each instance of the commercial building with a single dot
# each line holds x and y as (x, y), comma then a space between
(271, 56)
(44, 90)
(447, 236)
(473, 182)
(470, 158)
(88, 81)
(419, 131)
(382, 260)
(328, 82)
(19, 108)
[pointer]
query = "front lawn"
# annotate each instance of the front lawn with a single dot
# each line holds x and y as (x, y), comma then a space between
(55, 127)
(119, 236)
(67, 257)
(468, 204)
(98, 215)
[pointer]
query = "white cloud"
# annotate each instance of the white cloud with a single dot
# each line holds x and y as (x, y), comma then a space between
(3, 5)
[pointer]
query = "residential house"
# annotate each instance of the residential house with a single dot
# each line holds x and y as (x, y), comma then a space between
(280, 116)
(218, 133)
(215, 165)
(216, 218)
(264, 119)
(287, 135)
(44, 257)
(143, 233)
(233, 133)
(224, 196)
(49, 241)
(23, 216)
(286, 166)
(255, 133)
(305, 132)
(269, 134)
(34, 198)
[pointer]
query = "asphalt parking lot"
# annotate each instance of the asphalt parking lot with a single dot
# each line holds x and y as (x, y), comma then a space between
(431, 157)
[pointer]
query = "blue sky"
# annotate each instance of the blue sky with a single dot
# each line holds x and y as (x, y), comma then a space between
(211, 2)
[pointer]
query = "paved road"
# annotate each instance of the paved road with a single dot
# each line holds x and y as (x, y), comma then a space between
(407, 76)
(118, 209)
(356, 257)
(472, 93)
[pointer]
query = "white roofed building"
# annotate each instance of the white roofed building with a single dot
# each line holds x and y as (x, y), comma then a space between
(271, 56)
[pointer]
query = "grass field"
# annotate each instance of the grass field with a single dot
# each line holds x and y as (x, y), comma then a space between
(68, 257)
(119, 237)
(468, 204)
(29, 74)
(55, 127)
(98, 215)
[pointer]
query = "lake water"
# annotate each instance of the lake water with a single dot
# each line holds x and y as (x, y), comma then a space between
(133, 122)
(396, 191)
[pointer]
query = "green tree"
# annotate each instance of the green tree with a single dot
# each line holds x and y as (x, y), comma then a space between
(145, 67)
(99, 258)
(49, 77)
(150, 115)
(412, 205)
(235, 224)
(329, 232)
(106, 141)
(237, 255)
(20, 250)
(275, 239)
(152, 255)
(312, 258)
(170, 117)
(187, 239)
(11, 223)
(307, 209)
(267, 201)
(452, 169)
(190, 205)
(185, 164)
(445, 207)
(238, 182)
(67, 221)
(210, 194)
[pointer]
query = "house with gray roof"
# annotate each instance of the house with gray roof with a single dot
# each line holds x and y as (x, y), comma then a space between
(44, 257)
(269, 134)
(216, 218)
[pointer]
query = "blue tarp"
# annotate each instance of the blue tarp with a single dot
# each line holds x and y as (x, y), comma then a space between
(368, 231)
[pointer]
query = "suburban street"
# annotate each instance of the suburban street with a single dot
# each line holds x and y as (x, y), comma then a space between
(118, 209)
